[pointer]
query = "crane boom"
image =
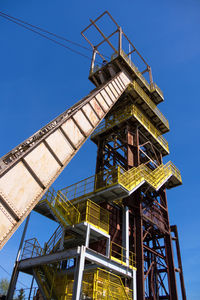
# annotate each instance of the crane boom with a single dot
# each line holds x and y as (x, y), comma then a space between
(28, 170)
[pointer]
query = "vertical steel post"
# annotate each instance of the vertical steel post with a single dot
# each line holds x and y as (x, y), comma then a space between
(93, 60)
(79, 274)
(125, 233)
(150, 77)
(134, 285)
(29, 296)
(87, 238)
(120, 41)
(15, 272)
(139, 247)
(175, 231)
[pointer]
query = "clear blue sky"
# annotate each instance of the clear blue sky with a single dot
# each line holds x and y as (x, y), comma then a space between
(39, 80)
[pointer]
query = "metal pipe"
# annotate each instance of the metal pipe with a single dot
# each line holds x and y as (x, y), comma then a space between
(15, 272)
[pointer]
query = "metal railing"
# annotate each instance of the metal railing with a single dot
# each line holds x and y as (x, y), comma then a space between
(110, 286)
(119, 254)
(54, 240)
(135, 86)
(135, 176)
(69, 214)
(46, 275)
(118, 175)
(92, 213)
(121, 115)
(152, 88)
(94, 183)
(96, 284)
(64, 210)
(31, 249)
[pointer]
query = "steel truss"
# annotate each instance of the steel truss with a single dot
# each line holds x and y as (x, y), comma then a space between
(150, 231)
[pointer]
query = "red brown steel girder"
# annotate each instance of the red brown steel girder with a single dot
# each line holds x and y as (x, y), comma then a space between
(175, 231)
(150, 236)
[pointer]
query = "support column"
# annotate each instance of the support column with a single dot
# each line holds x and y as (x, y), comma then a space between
(169, 253)
(133, 153)
(87, 239)
(171, 268)
(79, 274)
(15, 272)
(125, 233)
(175, 231)
(134, 285)
(139, 247)
(99, 161)
(108, 247)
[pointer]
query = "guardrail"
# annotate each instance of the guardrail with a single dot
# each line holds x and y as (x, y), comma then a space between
(54, 240)
(135, 86)
(31, 249)
(151, 88)
(141, 77)
(118, 175)
(94, 214)
(118, 253)
(121, 115)
(85, 211)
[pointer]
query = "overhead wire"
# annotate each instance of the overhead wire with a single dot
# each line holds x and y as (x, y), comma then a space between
(10, 276)
(42, 33)
(46, 31)
(46, 37)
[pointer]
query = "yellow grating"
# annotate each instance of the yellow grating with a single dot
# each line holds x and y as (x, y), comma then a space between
(97, 284)
(119, 116)
(94, 214)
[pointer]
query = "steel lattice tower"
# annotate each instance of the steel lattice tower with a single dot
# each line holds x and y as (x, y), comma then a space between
(114, 239)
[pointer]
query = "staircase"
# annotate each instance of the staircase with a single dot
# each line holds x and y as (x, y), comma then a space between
(117, 183)
(136, 176)
(63, 209)
(45, 277)
(54, 240)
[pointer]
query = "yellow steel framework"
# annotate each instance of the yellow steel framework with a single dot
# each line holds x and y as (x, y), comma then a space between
(135, 90)
(118, 253)
(97, 284)
(164, 174)
(128, 112)
(151, 87)
(69, 214)
(46, 274)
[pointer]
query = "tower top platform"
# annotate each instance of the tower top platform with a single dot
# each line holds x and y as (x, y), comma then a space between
(113, 51)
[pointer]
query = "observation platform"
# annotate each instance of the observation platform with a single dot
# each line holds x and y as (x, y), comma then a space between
(122, 61)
